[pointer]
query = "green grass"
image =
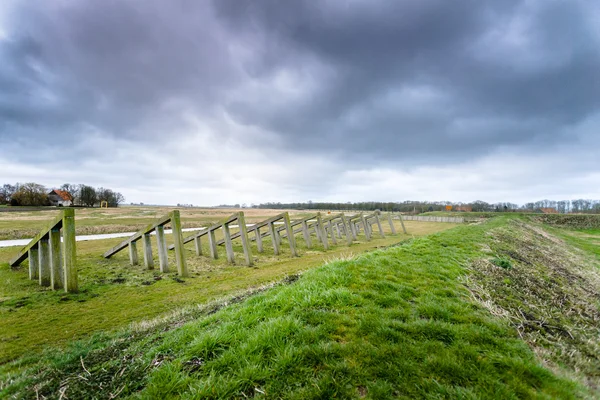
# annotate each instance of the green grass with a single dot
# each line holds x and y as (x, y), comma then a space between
(394, 323)
(114, 294)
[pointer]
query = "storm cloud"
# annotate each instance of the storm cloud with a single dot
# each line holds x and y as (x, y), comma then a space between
(248, 101)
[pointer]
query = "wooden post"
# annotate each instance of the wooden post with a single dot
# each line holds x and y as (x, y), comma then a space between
(402, 222)
(391, 221)
(274, 238)
(259, 245)
(228, 244)
(56, 278)
(366, 228)
(44, 259)
(337, 230)
(148, 260)
(322, 233)
(178, 242)
(161, 244)
(34, 263)
(379, 225)
(69, 252)
(346, 230)
(245, 240)
(212, 244)
(198, 245)
(133, 254)
(306, 234)
(333, 240)
(290, 234)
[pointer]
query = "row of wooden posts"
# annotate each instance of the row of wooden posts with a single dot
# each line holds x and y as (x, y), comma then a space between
(278, 227)
(52, 252)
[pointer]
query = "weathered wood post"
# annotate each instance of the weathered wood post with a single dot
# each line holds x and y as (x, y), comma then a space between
(245, 239)
(161, 244)
(212, 244)
(69, 251)
(322, 233)
(379, 225)
(402, 222)
(391, 221)
(346, 230)
(290, 234)
(306, 235)
(56, 278)
(330, 225)
(198, 245)
(273, 238)
(147, 243)
(259, 244)
(366, 228)
(133, 253)
(178, 242)
(44, 259)
(228, 244)
(34, 263)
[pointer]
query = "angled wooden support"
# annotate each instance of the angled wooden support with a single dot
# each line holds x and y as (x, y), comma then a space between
(258, 238)
(245, 240)
(402, 223)
(320, 228)
(391, 222)
(272, 233)
(330, 226)
(175, 218)
(44, 253)
(290, 234)
(198, 245)
(346, 229)
(306, 235)
(228, 244)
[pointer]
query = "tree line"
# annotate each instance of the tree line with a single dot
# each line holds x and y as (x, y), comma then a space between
(34, 194)
(563, 206)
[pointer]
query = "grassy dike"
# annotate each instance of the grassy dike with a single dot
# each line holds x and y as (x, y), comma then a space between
(403, 322)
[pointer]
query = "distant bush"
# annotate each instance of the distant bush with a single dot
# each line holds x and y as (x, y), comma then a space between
(578, 221)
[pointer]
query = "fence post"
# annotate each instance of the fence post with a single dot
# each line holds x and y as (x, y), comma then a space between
(161, 243)
(322, 232)
(306, 235)
(330, 225)
(274, 238)
(402, 223)
(56, 279)
(245, 240)
(366, 228)
(212, 244)
(133, 253)
(391, 221)
(44, 259)
(69, 252)
(34, 263)
(228, 244)
(198, 245)
(148, 260)
(379, 225)
(290, 234)
(346, 230)
(178, 241)
(259, 244)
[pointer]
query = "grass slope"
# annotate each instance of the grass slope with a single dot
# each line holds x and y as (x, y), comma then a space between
(395, 323)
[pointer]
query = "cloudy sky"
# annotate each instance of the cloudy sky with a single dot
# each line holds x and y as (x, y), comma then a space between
(236, 101)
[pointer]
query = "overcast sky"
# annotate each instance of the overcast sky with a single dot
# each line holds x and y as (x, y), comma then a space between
(252, 101)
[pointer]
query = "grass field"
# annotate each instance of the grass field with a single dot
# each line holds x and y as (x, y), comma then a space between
(23, 225)
(114, 294)
(505, 308)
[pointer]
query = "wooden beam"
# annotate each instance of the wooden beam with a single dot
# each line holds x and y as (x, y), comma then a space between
(69, 252)
(161, 245)
(24, 252)
(178, 244)
(138, 235)
(56, 272)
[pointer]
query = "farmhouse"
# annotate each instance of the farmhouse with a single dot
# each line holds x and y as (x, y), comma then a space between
(60, 198)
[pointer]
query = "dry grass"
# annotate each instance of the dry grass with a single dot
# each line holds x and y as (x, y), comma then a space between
(550, 293)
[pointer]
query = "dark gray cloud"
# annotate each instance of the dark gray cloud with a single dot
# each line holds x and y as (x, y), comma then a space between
(359, 84)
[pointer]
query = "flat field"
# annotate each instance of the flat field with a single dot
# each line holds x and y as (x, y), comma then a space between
(114, 294)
